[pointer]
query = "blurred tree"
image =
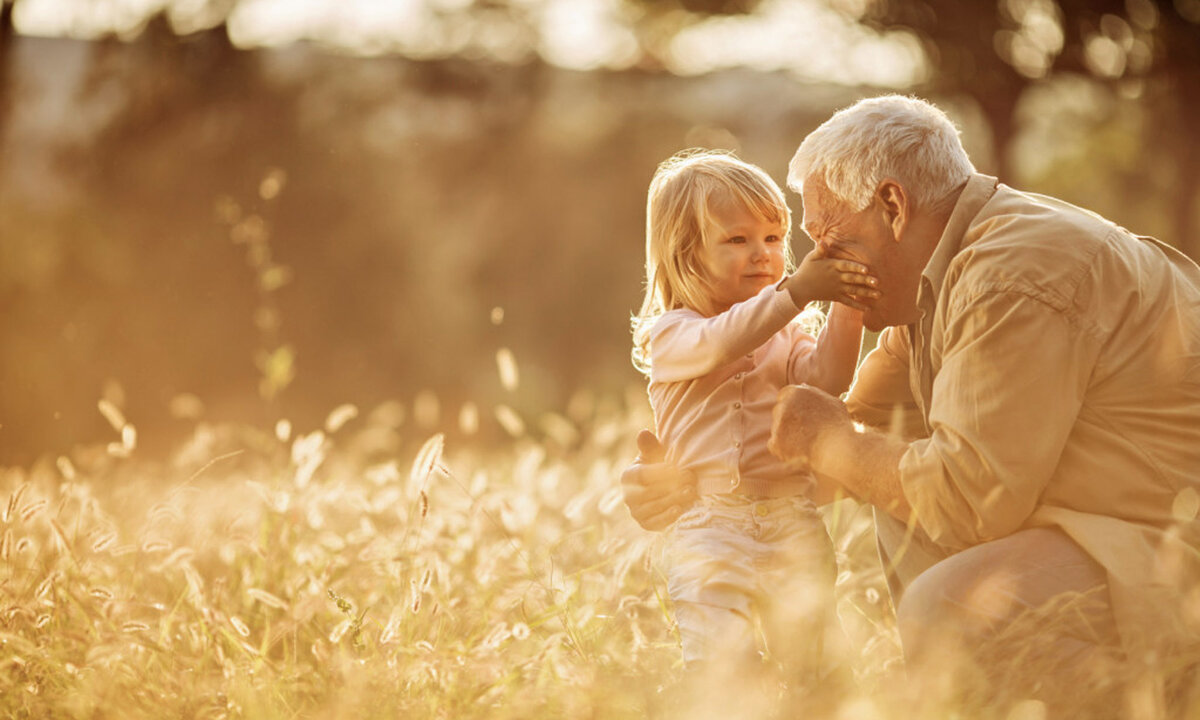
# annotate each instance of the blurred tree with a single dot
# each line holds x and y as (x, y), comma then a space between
(994, 54)
(6, 60)
(964, 43)
(421, 194)
(1150, 48)
(187, 134)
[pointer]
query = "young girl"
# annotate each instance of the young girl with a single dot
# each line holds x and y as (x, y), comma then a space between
(718, 337)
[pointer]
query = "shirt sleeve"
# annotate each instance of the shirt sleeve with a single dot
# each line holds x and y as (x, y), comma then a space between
(1012, 379)
(685, 345)
(881, 395)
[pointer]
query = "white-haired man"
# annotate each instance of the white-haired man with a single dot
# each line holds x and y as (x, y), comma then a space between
(1037, 381)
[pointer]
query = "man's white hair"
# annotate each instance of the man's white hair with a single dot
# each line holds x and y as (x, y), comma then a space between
(892, 136)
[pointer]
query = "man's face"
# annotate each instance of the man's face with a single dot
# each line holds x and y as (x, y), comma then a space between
(865, 236)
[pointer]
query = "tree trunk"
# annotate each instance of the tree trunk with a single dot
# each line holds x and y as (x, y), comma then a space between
(1000, 107)
(1184, 224)
(7, 38)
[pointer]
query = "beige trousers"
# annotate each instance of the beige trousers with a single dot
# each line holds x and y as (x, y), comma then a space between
(1034, 582)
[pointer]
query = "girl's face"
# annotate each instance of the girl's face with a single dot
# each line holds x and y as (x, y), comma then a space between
(744, 253)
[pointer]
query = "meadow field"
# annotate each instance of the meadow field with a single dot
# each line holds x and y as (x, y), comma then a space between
(368, 569)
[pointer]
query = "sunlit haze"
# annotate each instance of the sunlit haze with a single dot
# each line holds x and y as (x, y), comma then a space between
(802, 37)
(805, 38)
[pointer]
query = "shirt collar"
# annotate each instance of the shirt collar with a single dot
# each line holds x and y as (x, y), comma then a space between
(977, 192)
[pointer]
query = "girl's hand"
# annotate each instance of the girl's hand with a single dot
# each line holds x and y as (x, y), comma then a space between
(821, 277)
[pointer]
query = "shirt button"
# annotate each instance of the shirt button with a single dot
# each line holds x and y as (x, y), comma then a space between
(738, 376)
(737, 406)
(760, 510)
(737, 443)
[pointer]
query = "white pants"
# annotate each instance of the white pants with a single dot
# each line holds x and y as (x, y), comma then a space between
(740, 567)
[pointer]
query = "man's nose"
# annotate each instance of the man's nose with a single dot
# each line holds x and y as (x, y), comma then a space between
(831, 248)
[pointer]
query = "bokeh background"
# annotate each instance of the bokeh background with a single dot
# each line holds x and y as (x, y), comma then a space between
(251, 210)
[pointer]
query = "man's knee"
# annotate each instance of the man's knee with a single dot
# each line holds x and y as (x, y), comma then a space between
(947, 600)
(985, 589)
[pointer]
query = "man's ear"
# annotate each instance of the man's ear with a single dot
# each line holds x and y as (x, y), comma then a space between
(896, 205)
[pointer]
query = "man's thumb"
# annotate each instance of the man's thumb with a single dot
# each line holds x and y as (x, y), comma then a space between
(650, 450)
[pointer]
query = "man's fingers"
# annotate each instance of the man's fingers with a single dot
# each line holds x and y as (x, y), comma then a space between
(659, 513)
(783, 416)
(650, 450)
(786, 393)
(664, 519)
(651, 497)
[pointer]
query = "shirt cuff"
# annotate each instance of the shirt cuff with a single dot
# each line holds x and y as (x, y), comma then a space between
(785, 302)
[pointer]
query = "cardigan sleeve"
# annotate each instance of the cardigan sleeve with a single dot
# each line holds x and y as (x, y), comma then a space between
(685, 345)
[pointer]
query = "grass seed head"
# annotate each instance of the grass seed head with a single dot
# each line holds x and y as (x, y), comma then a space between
(428, 458)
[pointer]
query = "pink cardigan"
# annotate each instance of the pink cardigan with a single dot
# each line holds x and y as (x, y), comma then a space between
(714, 381)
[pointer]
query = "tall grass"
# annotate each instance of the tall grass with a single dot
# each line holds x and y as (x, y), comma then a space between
(366, 569)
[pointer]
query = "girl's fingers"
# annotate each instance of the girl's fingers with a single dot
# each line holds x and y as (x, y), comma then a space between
(865, 291)
(858, 301)
(850, 278)
(849, 266)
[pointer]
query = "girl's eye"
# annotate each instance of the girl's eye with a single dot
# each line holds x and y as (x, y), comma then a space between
(737, 239)
(773, 238)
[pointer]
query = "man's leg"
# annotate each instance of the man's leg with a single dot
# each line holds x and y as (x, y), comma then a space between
(1030, 613)
(904, 551)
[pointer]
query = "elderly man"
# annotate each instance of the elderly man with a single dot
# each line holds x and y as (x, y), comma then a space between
(1035, 398)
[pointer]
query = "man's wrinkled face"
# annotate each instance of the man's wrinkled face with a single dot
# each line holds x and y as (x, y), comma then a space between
(866, 237)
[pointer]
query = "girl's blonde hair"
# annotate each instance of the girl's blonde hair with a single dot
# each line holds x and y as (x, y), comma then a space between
(679, 223)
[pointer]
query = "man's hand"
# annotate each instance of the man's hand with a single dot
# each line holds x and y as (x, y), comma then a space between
(802, 413)
(656, 492)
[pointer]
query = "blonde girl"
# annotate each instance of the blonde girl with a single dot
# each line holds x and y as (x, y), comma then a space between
(750, 567)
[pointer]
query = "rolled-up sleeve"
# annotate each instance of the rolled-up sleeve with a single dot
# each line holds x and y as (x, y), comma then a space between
(881, 395)
(1014, 369)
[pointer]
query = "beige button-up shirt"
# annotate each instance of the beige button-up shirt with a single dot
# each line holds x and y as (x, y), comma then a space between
(1056, 371)
(714, 382)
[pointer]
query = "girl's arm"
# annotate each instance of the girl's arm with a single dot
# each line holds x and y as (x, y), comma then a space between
(685, 345)
(829, 363)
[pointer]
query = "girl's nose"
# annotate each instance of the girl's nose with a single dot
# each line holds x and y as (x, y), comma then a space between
(759, 251)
